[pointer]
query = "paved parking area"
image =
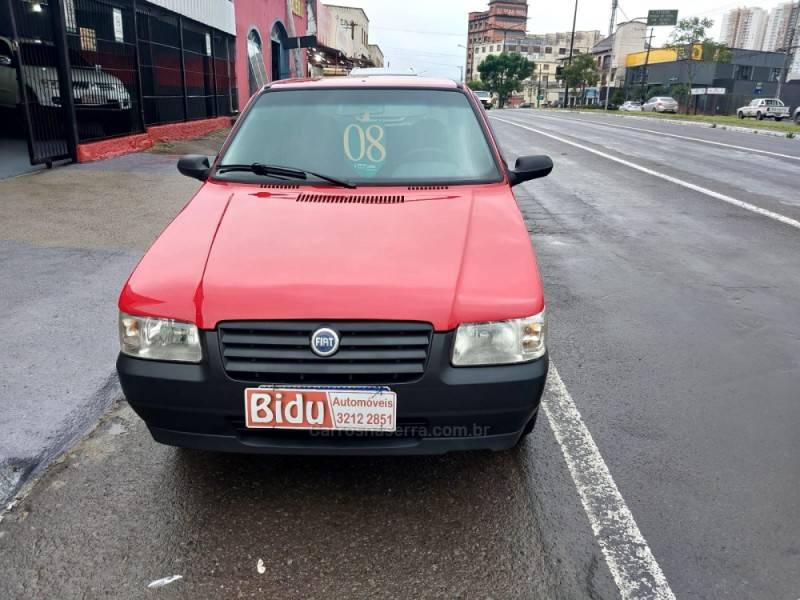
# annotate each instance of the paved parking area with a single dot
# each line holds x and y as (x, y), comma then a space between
(68, 239)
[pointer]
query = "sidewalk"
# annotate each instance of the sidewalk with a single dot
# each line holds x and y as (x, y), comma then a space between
(68, 240)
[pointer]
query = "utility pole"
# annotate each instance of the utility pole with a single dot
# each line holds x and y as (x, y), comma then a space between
(614, 5)
(787, 58)
(646, 63)
(539, 88)
(572, 39)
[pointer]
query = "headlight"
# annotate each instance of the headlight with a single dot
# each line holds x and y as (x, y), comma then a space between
(159, 339)
(500, 342)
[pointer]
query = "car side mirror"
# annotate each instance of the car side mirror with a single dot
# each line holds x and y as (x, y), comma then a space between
(530, 167)
(194, 165)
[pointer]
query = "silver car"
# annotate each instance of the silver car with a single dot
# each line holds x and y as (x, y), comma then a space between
(631, 106)
(661, 104)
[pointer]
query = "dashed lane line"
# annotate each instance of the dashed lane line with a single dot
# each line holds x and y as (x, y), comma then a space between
(697, 188)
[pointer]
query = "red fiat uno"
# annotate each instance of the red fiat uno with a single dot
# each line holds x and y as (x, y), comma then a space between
(353, 277)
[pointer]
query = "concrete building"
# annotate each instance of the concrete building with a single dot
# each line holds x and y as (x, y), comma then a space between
(744, 27)
(547, 51)
(611, 54)
(503, 19)
(342, 41)
(779, 35)
(749, 74)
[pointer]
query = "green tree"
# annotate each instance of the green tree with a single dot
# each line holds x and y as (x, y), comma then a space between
(580, 73)
(477, 85)
(693, 46)
(503, 73)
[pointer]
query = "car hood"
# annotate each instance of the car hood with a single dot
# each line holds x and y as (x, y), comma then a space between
(244, 253)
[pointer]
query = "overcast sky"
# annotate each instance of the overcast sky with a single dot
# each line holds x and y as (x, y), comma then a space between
(425, 34)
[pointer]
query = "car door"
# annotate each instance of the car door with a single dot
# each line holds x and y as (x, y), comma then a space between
(8, 75)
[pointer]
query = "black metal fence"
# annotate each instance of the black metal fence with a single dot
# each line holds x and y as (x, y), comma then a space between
(167, 64)
(130, 64)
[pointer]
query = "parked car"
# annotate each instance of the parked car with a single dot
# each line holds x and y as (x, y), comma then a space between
(631, 106)
(485, 98)
(661, 104)
(764, 108)
(91, 87)
(322, 294)
(797, 115)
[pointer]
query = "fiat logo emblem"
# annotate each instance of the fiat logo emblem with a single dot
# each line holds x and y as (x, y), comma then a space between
(324, 342)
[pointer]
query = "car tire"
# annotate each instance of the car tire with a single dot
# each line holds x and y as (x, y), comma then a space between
(778, 119)
(740, 114)
(759, 116)
(797, 119)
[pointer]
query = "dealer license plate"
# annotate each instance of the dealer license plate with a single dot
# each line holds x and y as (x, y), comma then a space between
(323, 408)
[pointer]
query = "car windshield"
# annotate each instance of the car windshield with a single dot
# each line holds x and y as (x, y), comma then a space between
(482, 94)
(365, 136)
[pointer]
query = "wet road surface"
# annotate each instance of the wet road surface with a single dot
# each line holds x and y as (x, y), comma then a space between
(674, 327)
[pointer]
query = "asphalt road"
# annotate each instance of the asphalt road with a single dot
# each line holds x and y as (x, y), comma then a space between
(675, 328)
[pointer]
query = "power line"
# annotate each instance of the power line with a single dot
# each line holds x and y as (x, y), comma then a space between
(461, 35)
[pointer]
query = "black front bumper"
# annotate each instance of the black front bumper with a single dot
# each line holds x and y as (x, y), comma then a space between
(200, 406)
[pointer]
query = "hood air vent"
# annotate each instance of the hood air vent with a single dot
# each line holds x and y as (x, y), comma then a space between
(333, 199)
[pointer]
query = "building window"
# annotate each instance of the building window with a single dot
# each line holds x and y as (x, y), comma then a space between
(548, 50)
(546, 67)
(562, 50)
(523, 49)
(536, 49)
(774, 74)
(742, 72)
(256, 71)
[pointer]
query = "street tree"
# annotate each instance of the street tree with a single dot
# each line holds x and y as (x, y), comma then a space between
(477, 85)
(503, 73)
(581, 73)
(693, 46)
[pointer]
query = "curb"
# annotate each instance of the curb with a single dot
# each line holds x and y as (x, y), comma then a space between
(690, 123)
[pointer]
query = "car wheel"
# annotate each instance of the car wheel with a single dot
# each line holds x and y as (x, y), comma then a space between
(797, 118)
(759, 116)
(740, 114)
(778, 119)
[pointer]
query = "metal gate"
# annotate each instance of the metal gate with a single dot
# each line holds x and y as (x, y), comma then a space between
(43, 86)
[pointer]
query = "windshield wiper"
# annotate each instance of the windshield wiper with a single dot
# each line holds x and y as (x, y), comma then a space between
(283, 172)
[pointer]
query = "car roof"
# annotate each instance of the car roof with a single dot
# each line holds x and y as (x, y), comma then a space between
(387, 81)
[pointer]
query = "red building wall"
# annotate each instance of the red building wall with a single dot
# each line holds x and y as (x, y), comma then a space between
(262, 15)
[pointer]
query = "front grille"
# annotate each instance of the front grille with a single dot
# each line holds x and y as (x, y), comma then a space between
(370, 352)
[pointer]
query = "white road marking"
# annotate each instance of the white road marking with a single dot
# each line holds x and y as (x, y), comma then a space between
(725, 198)
(673, 135)
(158, 583)
(632, 564)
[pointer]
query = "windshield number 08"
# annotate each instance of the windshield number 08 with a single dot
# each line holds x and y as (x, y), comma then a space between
(370, 143)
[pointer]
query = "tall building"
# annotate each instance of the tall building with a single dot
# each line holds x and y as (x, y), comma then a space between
(503, 20)
(777, 27)
(744, 28)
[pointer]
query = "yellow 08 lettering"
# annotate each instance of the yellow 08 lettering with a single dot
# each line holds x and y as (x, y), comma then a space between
(369, 142)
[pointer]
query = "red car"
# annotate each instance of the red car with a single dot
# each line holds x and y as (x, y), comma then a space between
(353, 277)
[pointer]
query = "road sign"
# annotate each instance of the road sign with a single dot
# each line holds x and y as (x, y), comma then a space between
(716, 91)
(698, 91)
(662, 18)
